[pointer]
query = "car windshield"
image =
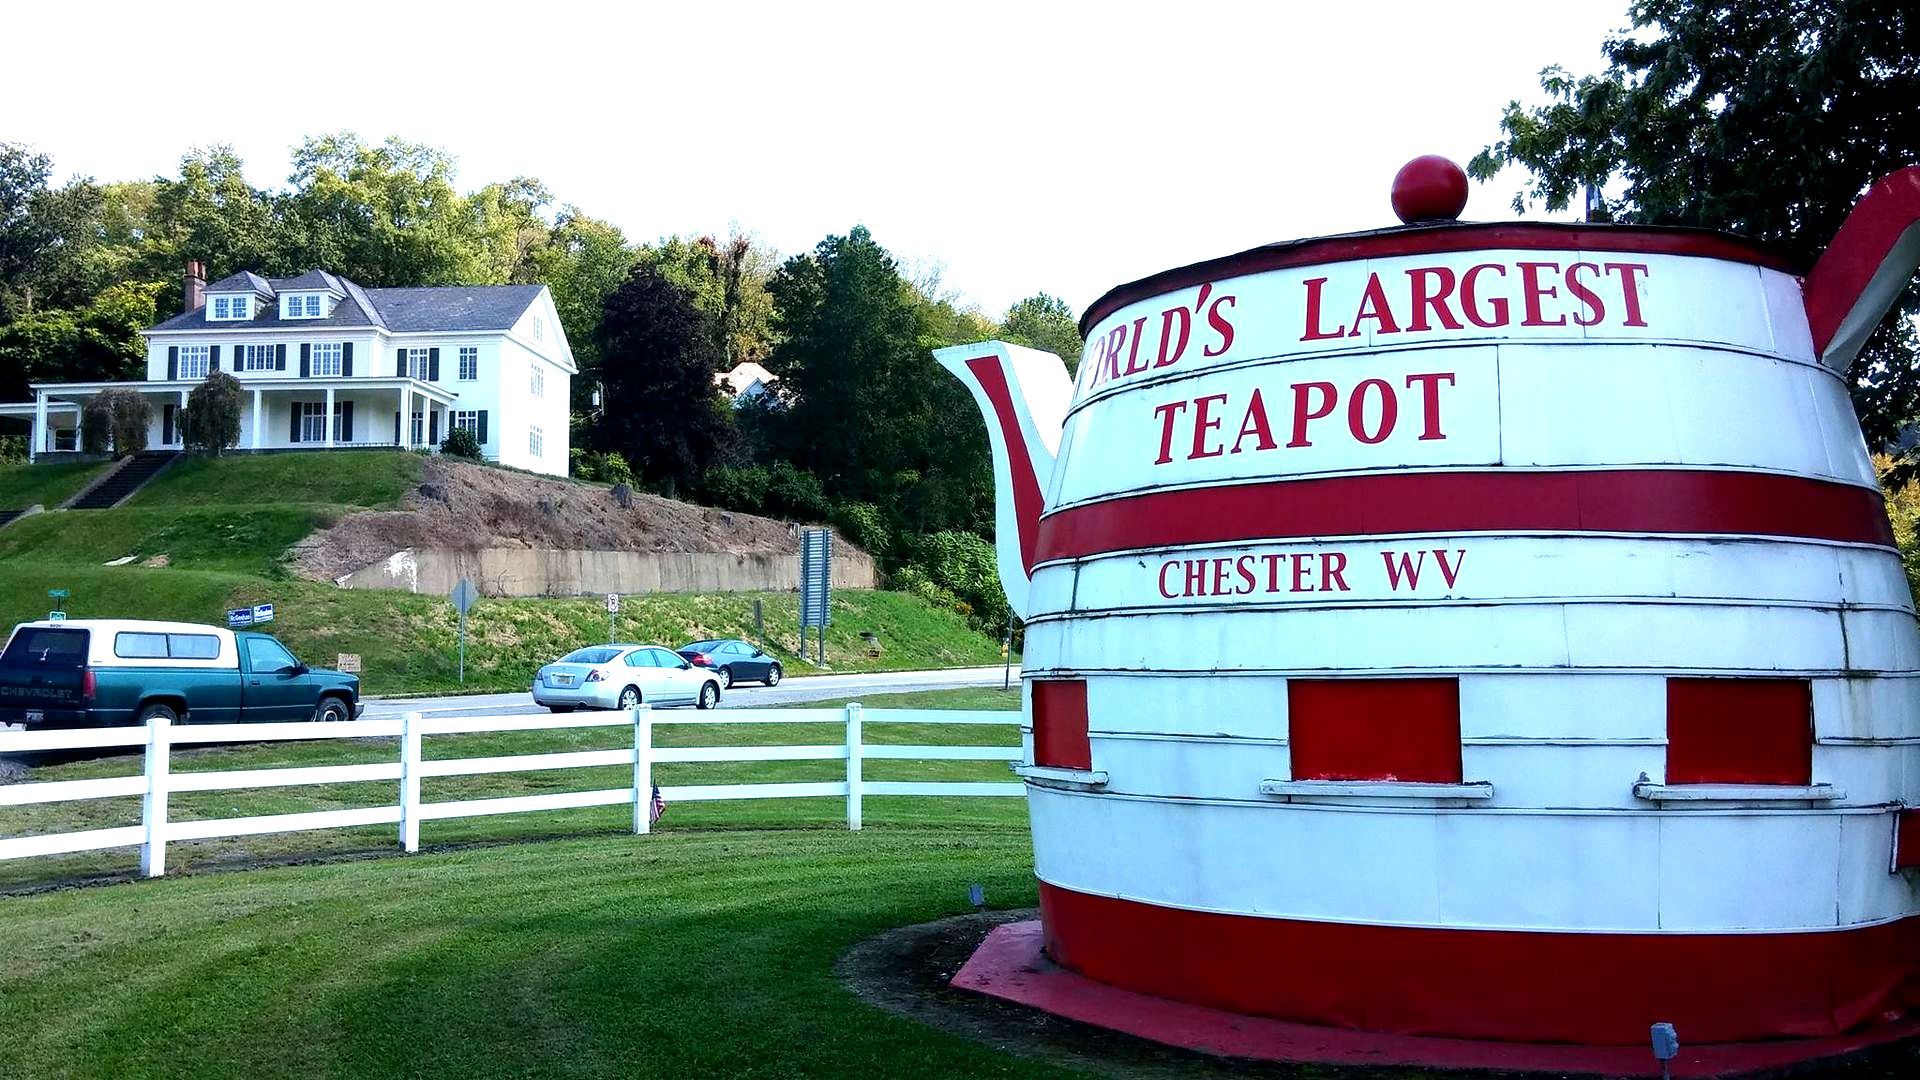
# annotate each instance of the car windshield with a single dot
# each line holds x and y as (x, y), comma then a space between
(598, 654)
(699, 646)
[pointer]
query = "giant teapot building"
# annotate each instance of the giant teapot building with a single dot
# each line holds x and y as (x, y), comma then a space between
(1488, 631)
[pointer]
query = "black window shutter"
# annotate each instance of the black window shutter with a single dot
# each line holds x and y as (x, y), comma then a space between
(433, 428)
(346, 360)
(306, 359)
(279, 358)
(166, 423)
(346, 421)
(213, 358)
(396, 429)
(400, 362)
(433, 365)
(482, 433)
(293, 428)
(173, 364)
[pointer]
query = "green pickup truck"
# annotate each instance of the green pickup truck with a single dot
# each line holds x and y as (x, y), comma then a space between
(110, 672)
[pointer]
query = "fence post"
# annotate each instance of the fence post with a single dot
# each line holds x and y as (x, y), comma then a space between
(642, 769)
(153, 805)
(853, 766)
(410, 782)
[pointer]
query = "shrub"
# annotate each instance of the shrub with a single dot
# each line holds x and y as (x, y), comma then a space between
(794, 493)
(863, 524)
(119, 415)
(729, 487)
(461, 443)
(211, 421)
(607, 468)
(13, 449)
(965, 566)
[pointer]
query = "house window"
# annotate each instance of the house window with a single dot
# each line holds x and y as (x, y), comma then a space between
(419, 430)
(326, 359)
(1374, 729)
(313, 421)
(536, 381)
(256, 357)
(466, 421)
(1739, 731)
(539, 328)
(469, 363)
(340, 432)
(1060, 724)
(193, 362)
(230, 307)
(310, 306)
(417, 365)
(536, 441)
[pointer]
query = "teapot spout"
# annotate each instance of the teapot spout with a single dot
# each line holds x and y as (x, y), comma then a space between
(1023, 395)
(1863, 272)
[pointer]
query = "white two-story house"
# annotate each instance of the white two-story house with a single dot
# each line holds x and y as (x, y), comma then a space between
(325, 363)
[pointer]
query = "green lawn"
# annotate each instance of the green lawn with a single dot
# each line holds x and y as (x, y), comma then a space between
(358, 478)
(705, 949)
(242, 539)
(47, 484)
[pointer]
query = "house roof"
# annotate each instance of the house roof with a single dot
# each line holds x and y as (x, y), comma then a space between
(443, 307)
(242, 282)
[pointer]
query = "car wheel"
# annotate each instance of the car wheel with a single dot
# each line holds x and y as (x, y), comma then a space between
(559, 708)
(726, 678)
(629, 697)
(331, 711)
(773, 675)
(709, 695)
(157, 710)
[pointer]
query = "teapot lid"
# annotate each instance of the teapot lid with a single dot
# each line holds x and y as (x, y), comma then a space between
(1428, 195)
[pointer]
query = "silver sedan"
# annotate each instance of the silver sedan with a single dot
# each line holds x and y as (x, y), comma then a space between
(622, 676)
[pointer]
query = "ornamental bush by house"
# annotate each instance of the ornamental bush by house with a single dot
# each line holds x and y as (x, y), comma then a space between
(461, 443)
(116, 418)
(211, 421)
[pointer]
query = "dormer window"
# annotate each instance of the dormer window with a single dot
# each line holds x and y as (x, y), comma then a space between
(230, 307)
(303, 306)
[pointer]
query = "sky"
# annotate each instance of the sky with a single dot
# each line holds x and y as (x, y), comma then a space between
(1012, 147)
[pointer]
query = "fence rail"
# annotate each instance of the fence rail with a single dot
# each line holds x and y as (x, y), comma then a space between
(158, 781)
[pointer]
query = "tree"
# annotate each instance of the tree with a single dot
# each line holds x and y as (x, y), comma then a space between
(583, 261)
(100, 342)
(1046, 323)
(383, 215)
(1762, 117)
(658, 359)
(117, 414)
(209, 212)
(211, 420)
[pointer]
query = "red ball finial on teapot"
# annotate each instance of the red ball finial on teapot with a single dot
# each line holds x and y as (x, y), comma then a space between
(1429, 188)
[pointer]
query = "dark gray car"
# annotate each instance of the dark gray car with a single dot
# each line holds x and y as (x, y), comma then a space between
(734, 660)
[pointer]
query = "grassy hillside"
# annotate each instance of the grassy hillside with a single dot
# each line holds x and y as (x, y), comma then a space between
(407, 642)
(48, 485)
(223, 528)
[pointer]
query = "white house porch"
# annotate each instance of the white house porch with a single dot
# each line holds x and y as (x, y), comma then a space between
(275, 414)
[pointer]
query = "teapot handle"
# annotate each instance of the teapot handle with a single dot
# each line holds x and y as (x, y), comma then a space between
(1865, 269)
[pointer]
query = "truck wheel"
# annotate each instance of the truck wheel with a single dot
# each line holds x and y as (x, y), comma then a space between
(331, 711)
(156, 709)
(709, 695)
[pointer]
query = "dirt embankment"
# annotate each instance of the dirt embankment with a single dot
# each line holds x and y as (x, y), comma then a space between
(466, 507)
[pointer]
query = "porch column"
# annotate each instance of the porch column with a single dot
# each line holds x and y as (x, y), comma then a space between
(406, 416)
(40, 433)
(329, 418)
(255, 437)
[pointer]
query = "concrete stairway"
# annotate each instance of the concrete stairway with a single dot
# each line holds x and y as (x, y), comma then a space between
(117, 486)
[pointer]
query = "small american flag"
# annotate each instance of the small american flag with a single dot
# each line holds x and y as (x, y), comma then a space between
(658, 807)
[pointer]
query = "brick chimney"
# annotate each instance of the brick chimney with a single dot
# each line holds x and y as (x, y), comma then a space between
(195, 296)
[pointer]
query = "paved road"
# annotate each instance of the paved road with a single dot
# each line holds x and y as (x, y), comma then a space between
(789, 692)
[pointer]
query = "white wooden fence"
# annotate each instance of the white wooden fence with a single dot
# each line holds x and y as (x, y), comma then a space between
(158, 781)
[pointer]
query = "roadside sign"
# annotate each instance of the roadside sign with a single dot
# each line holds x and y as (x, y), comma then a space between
(816, 589)
(348, 662)
(463, 595)
(56, 616)
(613, 603)
(58, 594)
(262, 613)
(239, 617)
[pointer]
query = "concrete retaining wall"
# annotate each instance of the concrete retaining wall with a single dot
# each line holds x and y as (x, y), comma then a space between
(539, 572)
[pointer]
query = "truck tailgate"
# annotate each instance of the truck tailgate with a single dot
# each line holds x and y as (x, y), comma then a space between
(43, 676)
